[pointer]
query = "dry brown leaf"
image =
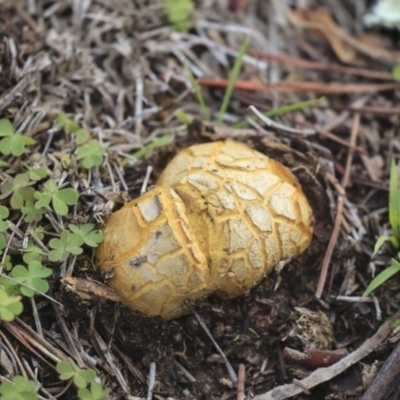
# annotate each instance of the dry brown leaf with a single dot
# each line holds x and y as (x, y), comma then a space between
(344, 45)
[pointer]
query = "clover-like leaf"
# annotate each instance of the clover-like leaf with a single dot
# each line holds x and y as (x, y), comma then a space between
(31, 213)
(178, 12)
(38, 232)
(13, 142)
(20, 189)
(19, 389)
(32, 253)
(69, 126)
(6, 265)
(69, 370)
(4, 213)
(66, 123)
(59, 197)
(6, 128)
(64, 198)
(37, 174)
(90, 237)
(10, 306)
(10, 286)
(91, 155)
(32, 278)
(82, 136)
(69, 243)
(96, 392)
(3, 242)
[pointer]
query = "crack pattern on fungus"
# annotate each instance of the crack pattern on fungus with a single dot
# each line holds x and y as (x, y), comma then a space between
(220, 218)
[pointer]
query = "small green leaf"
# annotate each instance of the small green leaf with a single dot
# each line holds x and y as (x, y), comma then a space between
(3, 242)
(10, 306)
(15, 144)
(82, 135)
(68, 196)
(91, 155)
(6, 128)
(83, 377)
(178, 12)
(60, 198)
(6, 265)
(382, 277)
(380, 242)
(159, 142)
(64, 122)
(396, 73)
(31, 213)
(18, 389)
(394, 200)
(66, 245)
(20, 190)
(96, 392)
(37, 174)
(32, 253)
(183, 117)
(3, 225)
(70, 370)
(32, 278)
(4, 213)
(9, 285)
(59, 206)
(89, 236)
(43, 199)
(65, 370)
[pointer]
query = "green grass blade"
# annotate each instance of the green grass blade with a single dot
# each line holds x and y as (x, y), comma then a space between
(233, 77)
(199, 95)
(380, 242)
(283, 110)
(159, 142)
(382, 277)
(394, 200)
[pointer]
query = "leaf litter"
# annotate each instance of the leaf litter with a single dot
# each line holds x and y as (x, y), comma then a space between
(94, 91)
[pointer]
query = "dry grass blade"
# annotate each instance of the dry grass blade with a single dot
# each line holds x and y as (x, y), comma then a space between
(227, 363)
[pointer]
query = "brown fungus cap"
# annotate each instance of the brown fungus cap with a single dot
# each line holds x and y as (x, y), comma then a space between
(220, 218)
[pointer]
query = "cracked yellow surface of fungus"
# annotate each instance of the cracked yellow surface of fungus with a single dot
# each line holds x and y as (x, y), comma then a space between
(221, 216)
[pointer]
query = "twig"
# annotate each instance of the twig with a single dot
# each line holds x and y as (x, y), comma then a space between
(152, 380)
(188, 375)
(28, 342)
(36, 317)
(354, 299)
(68, 337)
(325, 374)
(274, 125)
(306, 64)
(331, 246)
(231, 371)
(32, 375)
(107, 354)
(16, 359)
(134, 371)
(241, 381)
(350, 154)
(339, 209)
(9, 97)
(387, 379)
(299, 86)
(146, 179)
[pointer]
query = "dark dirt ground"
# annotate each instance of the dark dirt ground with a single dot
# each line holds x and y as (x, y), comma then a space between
(118, 69)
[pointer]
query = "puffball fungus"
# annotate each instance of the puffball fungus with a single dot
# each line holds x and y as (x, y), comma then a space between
(221, 216)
